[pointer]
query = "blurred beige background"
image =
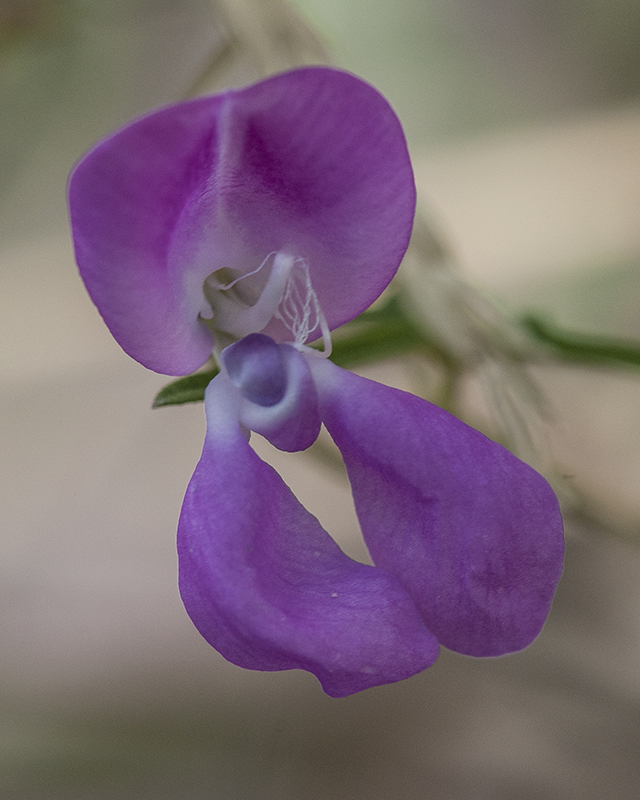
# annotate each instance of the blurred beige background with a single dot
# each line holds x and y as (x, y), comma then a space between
(524, 123)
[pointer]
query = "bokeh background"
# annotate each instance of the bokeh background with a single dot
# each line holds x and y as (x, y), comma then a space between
(523, 118)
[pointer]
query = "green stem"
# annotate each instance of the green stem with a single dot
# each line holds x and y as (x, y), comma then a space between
(581, 348)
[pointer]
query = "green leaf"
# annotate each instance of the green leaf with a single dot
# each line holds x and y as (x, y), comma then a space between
(185, 390)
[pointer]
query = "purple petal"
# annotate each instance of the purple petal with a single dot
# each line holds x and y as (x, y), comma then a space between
(270, 590)
(278, 395)
(313, 160)
(472, 533)
(256, 365)
(125, 199)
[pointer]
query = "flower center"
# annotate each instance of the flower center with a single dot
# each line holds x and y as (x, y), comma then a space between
(279, 288)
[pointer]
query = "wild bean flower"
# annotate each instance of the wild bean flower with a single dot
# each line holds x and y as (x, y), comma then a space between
(244, 226)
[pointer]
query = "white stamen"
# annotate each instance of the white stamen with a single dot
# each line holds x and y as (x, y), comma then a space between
(212, 286)
(287, 295)
(300, 310)
(232, 315)
(248, 275)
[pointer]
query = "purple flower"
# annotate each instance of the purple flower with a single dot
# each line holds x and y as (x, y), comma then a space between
(248, 224)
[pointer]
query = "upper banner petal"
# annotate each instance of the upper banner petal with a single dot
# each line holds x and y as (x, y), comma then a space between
(312, 160)
(473, 534)
(125, 199)
(270, 590)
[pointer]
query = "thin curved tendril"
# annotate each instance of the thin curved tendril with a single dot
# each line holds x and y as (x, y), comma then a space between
(248, 275)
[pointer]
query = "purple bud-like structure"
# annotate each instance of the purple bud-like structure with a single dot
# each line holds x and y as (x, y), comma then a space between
(246, 225)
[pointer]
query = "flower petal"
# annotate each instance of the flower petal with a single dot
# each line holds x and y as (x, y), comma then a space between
(313, 160)
(278, 395)
(125, 199)
(472, 533)
(270, 590)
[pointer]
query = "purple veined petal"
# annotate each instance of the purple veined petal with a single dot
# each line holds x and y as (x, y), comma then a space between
(270, 590)
(472, 533)
(313, 161)
(278, 394)
(125, 199)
